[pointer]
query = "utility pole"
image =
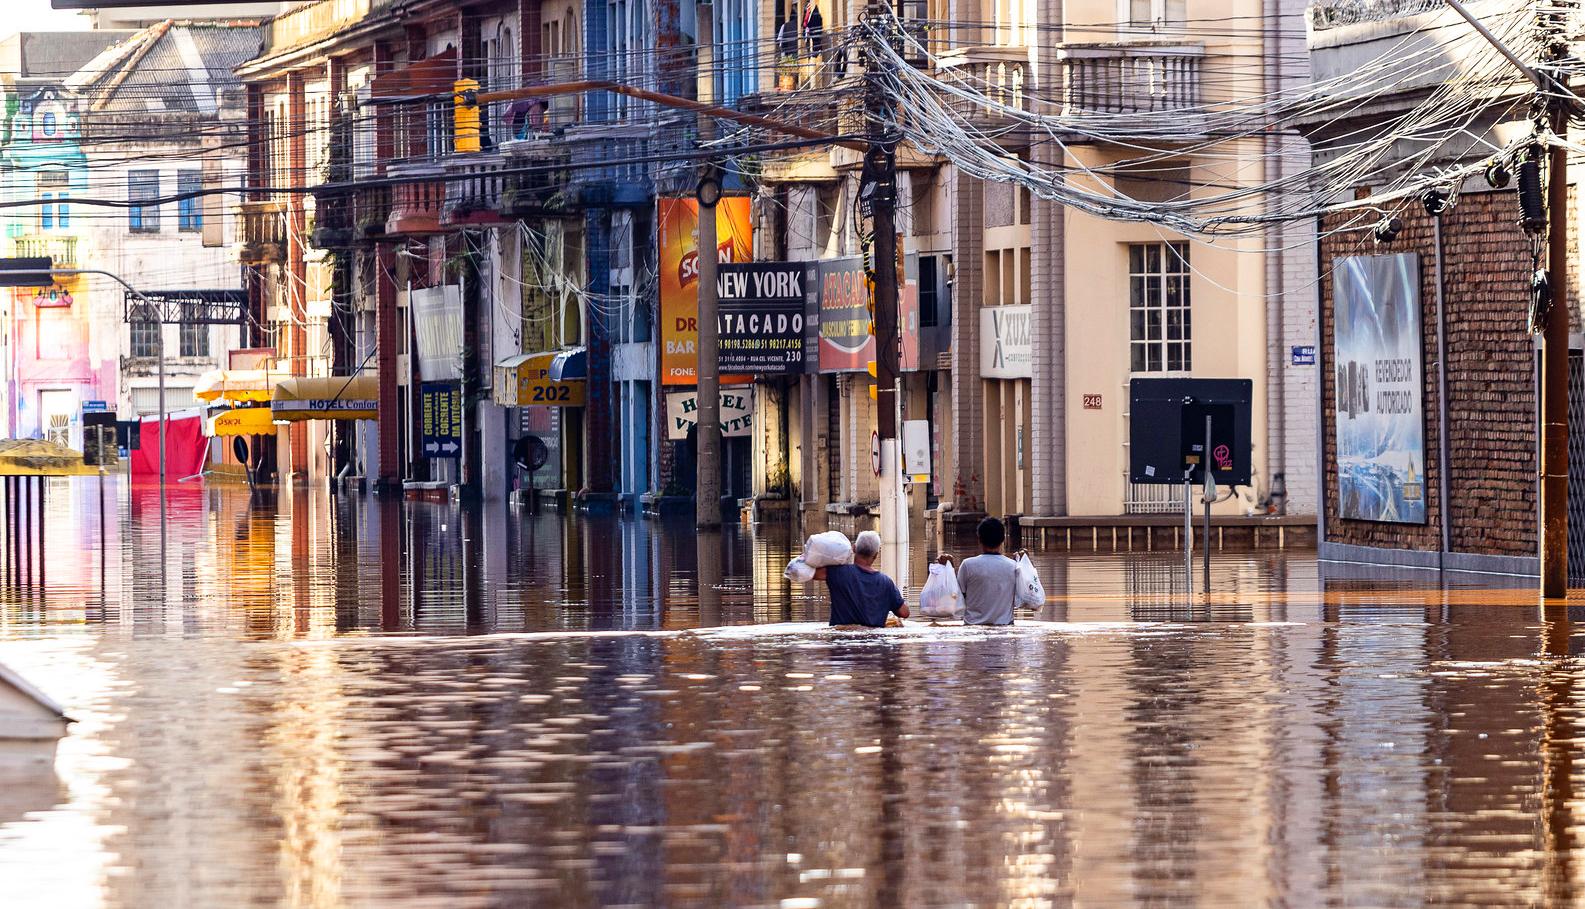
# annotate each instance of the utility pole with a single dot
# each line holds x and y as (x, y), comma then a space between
(879, 194)
(707, 431)
(1554, 331)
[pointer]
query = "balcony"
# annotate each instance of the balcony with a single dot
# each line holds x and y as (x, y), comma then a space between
(371, 210)
(1003, 73)
(418, 201)
(1131, 78)
(476, 191)
(263, 232)
(61, 250)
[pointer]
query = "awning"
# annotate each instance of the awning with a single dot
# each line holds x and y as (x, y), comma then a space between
(570, 365)
(525, 381)
(421, 80)
(326, 398)
(242, 421)
(235, 385)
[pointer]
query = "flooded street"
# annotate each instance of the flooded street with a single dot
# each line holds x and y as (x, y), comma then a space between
(334, 703)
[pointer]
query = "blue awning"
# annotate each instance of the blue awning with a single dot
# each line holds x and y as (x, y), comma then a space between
(569, 365)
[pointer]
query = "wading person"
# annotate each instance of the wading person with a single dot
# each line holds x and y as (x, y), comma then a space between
(989, 581)
(860, 595)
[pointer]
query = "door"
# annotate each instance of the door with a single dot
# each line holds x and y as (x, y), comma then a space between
(57, 407)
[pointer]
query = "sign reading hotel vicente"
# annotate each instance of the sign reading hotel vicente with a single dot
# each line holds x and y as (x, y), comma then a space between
(678, 240)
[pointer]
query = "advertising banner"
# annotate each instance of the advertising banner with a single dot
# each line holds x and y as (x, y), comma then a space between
(737, 412)
(440, 419)
(1006, 345)
(762, 317)
(677, 236)
(846, 343)
(1380, 430)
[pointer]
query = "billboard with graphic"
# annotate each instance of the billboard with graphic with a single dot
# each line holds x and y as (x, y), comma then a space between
(677, 234)
(1377, 362)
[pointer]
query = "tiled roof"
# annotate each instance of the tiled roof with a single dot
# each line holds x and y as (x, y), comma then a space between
(171, 66)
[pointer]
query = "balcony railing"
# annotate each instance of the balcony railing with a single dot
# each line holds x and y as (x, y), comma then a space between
(476, 191)
(417, 201)
(1131, 78)
(263, 232)
(62, 250)
(1001, 73)
(371, 210)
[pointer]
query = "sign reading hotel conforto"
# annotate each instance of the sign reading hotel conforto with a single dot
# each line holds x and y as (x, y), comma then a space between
(762, 317)
(846, 341)
(678, 241)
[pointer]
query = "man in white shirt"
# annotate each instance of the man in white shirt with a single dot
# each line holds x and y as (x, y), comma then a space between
(989, 581)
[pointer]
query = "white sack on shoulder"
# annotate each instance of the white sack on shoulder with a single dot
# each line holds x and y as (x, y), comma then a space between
(824, 550)
(799, 572)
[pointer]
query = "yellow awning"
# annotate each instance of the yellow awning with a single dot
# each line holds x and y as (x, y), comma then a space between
(235, 385)
(326, 398)
(524, 381)
(242, 421)
(40, 458)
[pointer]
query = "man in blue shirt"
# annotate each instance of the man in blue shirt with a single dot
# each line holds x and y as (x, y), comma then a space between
(860, 595)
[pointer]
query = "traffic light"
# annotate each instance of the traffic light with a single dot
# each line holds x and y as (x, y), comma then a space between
(465, 116)
(28, 271)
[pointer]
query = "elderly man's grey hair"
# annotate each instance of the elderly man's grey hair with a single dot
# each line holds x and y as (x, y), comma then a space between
(868, 544)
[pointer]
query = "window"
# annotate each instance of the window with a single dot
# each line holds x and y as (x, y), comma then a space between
(828, 202)
(145, 339)
(190, 212)
(143, 185)
(929, 293)
(1158, 307)
(53, 184)
(1154, 15)
(194, 336)
(49, 123)
(736, 31)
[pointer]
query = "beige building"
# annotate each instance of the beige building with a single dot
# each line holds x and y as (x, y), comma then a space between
(1045, 313)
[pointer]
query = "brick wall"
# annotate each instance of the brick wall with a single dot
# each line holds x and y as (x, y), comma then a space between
(1490, 378)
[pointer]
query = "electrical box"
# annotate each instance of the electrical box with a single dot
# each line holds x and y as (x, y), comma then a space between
(916, 450)
(1167, 428)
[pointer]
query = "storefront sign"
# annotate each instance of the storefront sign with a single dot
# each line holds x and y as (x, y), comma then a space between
(678, 241)
(524, 381)
(762, 317)
(1379, 426)
(1006, 351)
(846, 341)
(737, 413)
(440, 419)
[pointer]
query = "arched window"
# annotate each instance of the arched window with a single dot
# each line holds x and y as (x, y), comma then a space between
(49, 123)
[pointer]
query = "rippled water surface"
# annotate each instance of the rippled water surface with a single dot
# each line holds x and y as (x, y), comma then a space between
(323, 703)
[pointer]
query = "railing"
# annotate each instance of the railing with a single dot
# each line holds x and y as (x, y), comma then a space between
(1125, 79)
(417, 201)
(1152, 498)
(371, 210)
(478, 196)
(62, 250)
(263, 232)
(1002, 74)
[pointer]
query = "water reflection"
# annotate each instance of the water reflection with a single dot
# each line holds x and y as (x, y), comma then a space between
(343, 702)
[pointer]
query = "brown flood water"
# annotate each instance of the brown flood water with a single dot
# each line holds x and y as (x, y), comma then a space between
(560, 716)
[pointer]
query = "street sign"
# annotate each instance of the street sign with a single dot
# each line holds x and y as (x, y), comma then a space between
(875, 452)
(1304, 355)
(96, 407)
(440, 420)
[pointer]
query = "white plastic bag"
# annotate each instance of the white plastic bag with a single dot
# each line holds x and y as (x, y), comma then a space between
(826, 549)
(799, 572)
(1030, 591)
(941, 598)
